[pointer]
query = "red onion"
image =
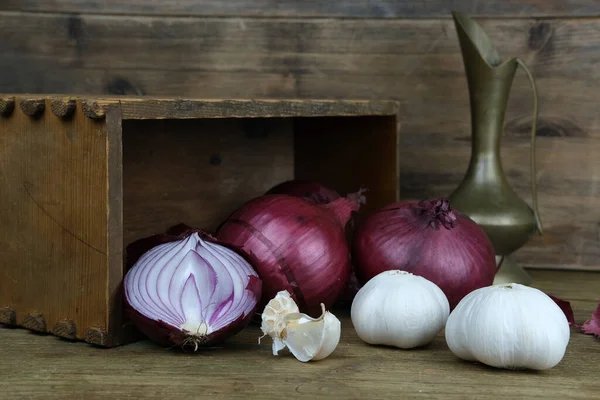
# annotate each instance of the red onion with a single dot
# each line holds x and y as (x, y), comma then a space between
(189, 289)
(429, 239)
(314, 192)
(318, 193)
(299, 246)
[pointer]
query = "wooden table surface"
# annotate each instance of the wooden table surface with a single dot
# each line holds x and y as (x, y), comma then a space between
(40, 366)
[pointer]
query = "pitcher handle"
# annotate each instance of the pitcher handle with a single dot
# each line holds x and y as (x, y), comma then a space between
(536, 212)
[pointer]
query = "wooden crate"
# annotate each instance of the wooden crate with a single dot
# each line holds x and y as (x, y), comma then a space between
(82, 177)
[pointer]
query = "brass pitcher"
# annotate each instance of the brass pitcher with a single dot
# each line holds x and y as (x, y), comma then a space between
(484, 193)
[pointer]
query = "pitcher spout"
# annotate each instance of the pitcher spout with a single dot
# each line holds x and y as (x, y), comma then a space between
(474, 40)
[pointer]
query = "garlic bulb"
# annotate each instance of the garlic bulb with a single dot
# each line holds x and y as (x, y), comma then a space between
(397, 308)
(305, 337)
(508, 326)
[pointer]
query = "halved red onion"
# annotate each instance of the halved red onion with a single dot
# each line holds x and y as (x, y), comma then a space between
(190, 289)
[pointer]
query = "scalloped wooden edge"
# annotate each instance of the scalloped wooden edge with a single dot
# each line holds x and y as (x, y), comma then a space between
(33, 107)
(95, 109)
(65, 329)
(34, 322)
(63, 108)
(97, 336)
(8, 316)
(7, 106)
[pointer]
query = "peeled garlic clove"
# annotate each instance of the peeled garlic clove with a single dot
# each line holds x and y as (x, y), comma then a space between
(312, 338)
(273, 318)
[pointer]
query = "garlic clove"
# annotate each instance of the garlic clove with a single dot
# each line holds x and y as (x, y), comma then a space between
(332, 333)
(310, 338)
(273, 318)
(305, 337)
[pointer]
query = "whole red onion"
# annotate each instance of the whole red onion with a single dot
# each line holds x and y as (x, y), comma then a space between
(186, 288)
(314, 192)
(318, 193)
(426, 238)
(299, 246)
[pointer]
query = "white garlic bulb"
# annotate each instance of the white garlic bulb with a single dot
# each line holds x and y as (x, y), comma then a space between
(397, 308)
(305, 337)
(508, 326)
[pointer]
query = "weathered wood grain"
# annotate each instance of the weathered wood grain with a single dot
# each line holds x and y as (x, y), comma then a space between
(116, 324)
(141, 108)
(43, 367)
(53, 202)
(300, 46)
(202, 170)
(350, 154)
(314, 8)
(416, 62)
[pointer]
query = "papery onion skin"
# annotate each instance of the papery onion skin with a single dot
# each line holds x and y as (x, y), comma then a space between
(314, 192)
(165, 334)
(592, 326)
(317, 193)
(426, 238)
(300, 247)
(350, 290)
(565, 306)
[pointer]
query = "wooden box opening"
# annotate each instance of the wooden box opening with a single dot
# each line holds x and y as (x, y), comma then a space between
(198, 171)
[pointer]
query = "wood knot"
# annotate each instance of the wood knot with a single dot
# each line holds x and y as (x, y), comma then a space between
(33, 107)
(540, 37)
(215, 159)
(97, 336)
(65, 329)
(122, 86)
(555, 127)
(34, 322)
(63, 108)
(8, 316)
(7, 105)
(94, 109)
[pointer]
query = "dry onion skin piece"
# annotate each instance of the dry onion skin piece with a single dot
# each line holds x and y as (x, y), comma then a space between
(589, 327)
(565, 306)
(307, 338)
(592, 326)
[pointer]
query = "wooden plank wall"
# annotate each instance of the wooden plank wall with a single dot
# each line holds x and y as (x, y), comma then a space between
(390, 49)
